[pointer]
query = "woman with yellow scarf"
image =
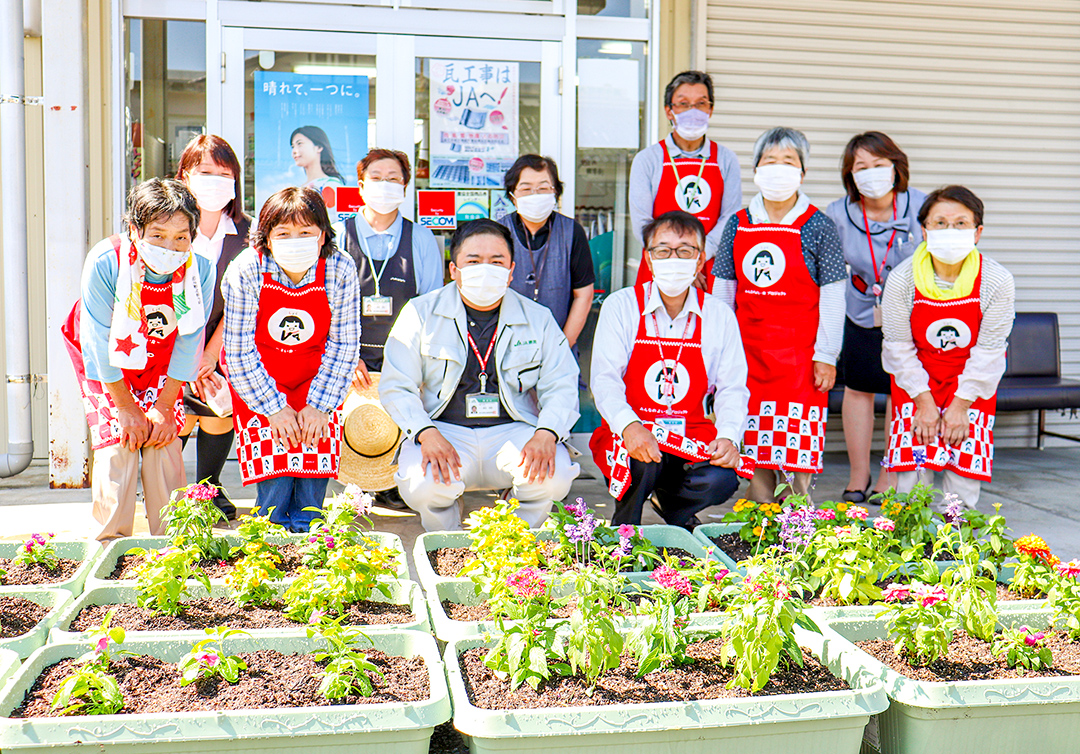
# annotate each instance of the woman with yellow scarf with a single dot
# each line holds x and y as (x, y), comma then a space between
(946, 317)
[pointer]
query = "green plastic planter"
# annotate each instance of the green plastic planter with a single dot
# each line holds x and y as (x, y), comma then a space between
(9, 664)
(105, 565)
(403, 593)
(87, 551)
(822, 723)
(54, 599)
(659, 534)
(989, 717)
(403, 728)
(703, 533)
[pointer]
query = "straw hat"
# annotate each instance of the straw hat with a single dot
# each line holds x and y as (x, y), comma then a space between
(369, 439)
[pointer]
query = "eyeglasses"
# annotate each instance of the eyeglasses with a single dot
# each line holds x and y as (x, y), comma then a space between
(665, 252)
(398, 181)
(958, 225)
(681, 107)
(543, 188)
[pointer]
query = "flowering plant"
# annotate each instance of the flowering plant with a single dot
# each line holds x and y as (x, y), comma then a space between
(259, 564)
(659, 638)
(335, 524)
(38, 549)
(503, 545)
(594, 643)
(189, 518)
(581, 536)
(989, 531)
(1023, 648)
(847, 562)
(525, 649)
(349, 576)
(758, 527)
(1064, 597)
(207, 658)
(90, 690)
(920, 629)
(347, 671)
(1034, 572)
(255, 527)
(762, 612)
(162, 579)
(971, 582)
(911, 514)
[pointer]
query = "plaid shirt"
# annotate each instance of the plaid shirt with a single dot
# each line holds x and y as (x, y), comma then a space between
(240, 289)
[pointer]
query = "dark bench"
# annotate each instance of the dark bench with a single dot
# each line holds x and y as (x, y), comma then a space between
(1032, 380)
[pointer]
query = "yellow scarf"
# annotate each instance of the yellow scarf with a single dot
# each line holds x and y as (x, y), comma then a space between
(923, 268)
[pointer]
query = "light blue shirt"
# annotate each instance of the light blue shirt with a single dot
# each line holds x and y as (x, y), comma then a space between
(427, 259)
(100, 272)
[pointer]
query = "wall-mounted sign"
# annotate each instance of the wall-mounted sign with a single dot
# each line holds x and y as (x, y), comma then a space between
(436, 209)
(471, 205)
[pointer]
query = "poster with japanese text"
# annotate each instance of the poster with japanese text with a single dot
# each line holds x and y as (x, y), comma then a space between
(310, 130)
(474, 123)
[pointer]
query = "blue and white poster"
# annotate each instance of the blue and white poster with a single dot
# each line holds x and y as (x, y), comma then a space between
(310, 130)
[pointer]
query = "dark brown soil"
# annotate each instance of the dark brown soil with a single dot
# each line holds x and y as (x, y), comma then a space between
(1003, 595)
(291, 560)
(703, 679)
(969, 659)
(733, 546)
(272, 680)
(482, 611)
(447, 740)
(28, 574)
(222, 611)
(18, 616)
(448, 561)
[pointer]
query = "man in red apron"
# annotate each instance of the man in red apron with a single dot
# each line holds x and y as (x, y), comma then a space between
(300, 297)
(135, 337)
(668, 347)
(686, 171)
(946, 321)
(782, 266)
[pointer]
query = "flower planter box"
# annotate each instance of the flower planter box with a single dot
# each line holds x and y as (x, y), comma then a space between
(9, 664)
(54, 599)
(704, 534)
(106, 564)
(403, 593)
(989, 716)
(401, 728)
(826, 722)
(86, 551)
(659, 534)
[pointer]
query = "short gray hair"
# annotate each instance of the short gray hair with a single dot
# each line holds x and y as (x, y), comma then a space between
(781, 138)
(158, 198)
(688, 77)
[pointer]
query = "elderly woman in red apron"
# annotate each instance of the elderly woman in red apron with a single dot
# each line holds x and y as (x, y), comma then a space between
(135, 337)
(947, 313)
(781, 266)
(299, 296)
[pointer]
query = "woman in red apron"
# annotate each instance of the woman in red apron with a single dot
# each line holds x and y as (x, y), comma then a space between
(289, 434)
(948, 300)
(778, 302)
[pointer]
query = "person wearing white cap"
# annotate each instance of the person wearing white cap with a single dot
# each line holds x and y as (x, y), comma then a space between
(482, 382)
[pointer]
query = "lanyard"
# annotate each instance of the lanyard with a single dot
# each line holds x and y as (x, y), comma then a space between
(536, 273)
(870, 243)
(697, 183)
(669, 374)
(483, 361)
(364, 248)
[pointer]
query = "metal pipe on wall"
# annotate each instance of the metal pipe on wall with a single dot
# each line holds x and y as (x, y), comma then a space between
(13, 240)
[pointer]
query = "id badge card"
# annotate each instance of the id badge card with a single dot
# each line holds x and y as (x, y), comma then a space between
(482, 406)
(877, 315)
(676, 424)
(377, 306)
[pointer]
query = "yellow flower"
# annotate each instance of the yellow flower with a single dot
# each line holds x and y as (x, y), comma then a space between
(757, 531)
(841, 507)
(766, 511)
(776, 507)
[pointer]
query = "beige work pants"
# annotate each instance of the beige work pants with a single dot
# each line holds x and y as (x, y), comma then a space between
(114, 479)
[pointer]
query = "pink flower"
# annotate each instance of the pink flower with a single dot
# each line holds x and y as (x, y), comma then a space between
(29, 546)
(627, 530)
(209, 659)
(721, 574)
(527, 583)
(316, 617)
(668, 578)
(857, 512)
(1070, 569)
(1031, 639)
(895, 593)
(825, 514)
(781, 592)
(928, 596)
(40, 539)
(884, 524)
(102, 645)
(201, 492)
(841, 531)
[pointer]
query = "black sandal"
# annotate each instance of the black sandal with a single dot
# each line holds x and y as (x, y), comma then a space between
(858, 496)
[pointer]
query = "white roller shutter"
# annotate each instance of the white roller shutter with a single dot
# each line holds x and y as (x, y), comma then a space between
(984, 93)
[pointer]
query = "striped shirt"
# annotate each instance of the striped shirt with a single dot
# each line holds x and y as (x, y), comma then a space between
(241, 287)
(985, 365)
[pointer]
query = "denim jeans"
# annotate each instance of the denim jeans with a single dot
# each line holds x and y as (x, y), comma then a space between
(288, 496)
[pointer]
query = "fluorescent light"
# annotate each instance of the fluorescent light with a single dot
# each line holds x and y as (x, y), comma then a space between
(335, 70)
(617, 48)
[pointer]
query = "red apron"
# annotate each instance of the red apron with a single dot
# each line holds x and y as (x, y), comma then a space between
(290, 334)
(680, 189)
(649, 387)
(159, 327)
(776, 303)
(944, 332)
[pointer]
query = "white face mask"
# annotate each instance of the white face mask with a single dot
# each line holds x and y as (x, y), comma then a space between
(536, 208)
(874, 182)
(295, 255)
(383, 196)
(483, 284)
(161, 260)
(673, 276)
(212, 192)
(692, 124)
(778, 181)
(950, 245)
